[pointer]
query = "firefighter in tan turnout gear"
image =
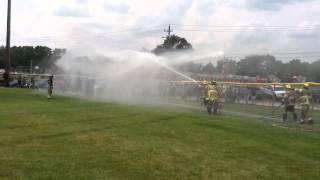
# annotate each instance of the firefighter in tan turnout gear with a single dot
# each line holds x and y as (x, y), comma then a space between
(305, 101)
(289, 101)
(213, 98)
(204, 91)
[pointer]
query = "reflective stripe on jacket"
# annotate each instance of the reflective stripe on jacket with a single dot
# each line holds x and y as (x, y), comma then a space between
(305, 100)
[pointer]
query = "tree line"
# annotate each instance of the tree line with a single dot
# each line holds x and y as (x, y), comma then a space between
(263, 66)
(253, 65)
(23, 57)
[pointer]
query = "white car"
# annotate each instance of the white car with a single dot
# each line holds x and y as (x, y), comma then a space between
(278, 91)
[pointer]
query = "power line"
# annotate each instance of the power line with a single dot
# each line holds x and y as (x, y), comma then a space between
(217, 28)
(245, 26)
(244, 30)
(140, 29)
(143, 30)
(80, 38)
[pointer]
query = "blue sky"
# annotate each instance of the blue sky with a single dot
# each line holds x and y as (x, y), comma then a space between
(248, 25)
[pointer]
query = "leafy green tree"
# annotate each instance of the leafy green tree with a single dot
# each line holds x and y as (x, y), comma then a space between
(190, 67)
(227, 66)
(172, 43)
(262, 65)
(2, 57)
(22, 56)
(313, 73)
(251, 66)
(209, 69)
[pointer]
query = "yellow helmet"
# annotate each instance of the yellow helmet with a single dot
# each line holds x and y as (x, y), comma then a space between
(204, 82)
(288, 86)
(306, 86)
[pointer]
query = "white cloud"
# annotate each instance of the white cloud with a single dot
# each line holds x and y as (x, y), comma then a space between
(271, 5)
(72, 12)
(117, 7)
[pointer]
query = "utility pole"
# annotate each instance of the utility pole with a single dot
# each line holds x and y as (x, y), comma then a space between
(7, 73)
(169, 31)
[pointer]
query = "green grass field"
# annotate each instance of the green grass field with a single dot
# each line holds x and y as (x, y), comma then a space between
(67, 138)
(274, 115)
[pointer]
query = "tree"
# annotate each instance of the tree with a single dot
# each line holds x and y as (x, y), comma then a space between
(262, 65)
(250, 66)
(227, 66)
(172, 43)
(2, 57)
(208, 68)
(51, 58)
(313, 73)
(42, 53)
(22, 56)
(190, 67)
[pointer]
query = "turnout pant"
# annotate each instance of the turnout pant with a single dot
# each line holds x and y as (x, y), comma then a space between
(289, 108)
(304, 112)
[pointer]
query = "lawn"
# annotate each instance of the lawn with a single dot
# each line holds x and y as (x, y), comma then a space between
(69, 138)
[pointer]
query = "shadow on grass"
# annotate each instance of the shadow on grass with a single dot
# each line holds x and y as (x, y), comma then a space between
(216, 127)
(53, 136)
(13, 127)
(57, 135)
(161, 119)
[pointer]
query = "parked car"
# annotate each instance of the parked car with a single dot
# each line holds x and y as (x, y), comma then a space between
(277, 91)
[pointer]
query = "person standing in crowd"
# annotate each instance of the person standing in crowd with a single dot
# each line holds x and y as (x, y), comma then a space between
(305, 100)
(32, 83)
(20, 81)
(289, 101)
(50, 86)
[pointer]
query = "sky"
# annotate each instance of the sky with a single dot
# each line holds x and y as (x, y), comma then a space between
(234, 28)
